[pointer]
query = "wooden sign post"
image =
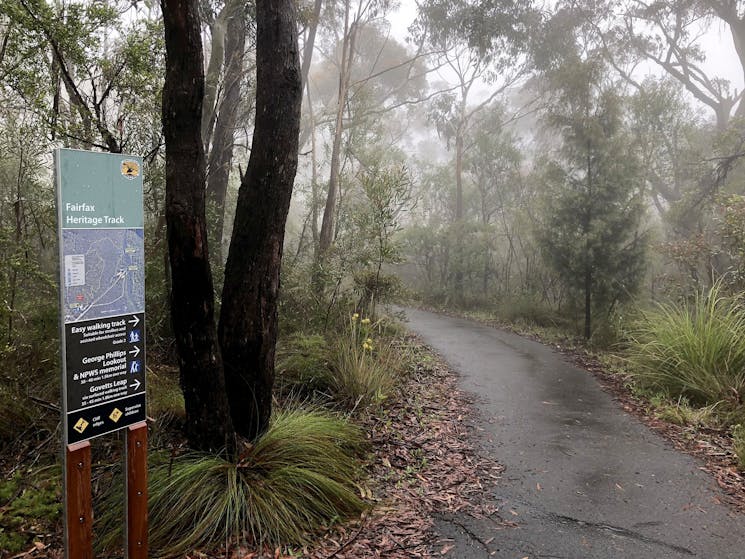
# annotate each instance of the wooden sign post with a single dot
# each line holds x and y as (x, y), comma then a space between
(136, 544)
(78, 506)
(102, 333)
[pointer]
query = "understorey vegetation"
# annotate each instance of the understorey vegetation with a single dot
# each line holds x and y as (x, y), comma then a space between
(355, 468)
(307, 162)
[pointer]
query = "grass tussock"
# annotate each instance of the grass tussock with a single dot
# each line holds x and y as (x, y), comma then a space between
(365, 365)
(694, 351)
(298, 478)
(164, 395)
(358, 369)
(683, 414)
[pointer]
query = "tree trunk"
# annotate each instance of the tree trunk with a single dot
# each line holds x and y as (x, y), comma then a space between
(212, 80)
(737, 29)
(459, 224)
(588, 253)
(314, 173)
(588, 303)
(208, 423)
(221, 155)
(248, 320)
(329, 212)
(311, 41)
(308, 49)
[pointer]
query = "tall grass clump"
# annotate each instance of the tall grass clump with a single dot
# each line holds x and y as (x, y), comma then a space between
(298, 478)
(365, 366)
(357, 369)
(693, 350)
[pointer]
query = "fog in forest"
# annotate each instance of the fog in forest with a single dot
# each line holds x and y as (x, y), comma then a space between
(570, 170)
(555, 163)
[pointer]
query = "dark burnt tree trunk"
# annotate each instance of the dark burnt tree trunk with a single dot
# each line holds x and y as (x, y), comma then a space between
(208, 422)
(248, 320)
(221, 155)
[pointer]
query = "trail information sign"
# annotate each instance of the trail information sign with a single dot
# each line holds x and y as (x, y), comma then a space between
(102, 291)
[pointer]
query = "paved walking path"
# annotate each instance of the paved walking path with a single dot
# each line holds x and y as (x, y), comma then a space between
(583, 479)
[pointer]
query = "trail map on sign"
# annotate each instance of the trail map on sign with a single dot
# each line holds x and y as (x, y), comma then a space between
(111, 264)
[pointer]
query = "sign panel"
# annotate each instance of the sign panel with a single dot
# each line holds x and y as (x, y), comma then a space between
(102, 291)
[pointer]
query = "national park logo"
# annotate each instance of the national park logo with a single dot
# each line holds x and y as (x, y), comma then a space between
(130, 169)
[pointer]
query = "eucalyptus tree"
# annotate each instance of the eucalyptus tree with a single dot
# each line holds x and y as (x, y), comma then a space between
(220, 129)
(227, 372)
(370, 66)
(78, 74)
(26, 230)
(492, 163)
(90, 69)
(670, 34)
(477, 42)
(672, 139)
(354, 17)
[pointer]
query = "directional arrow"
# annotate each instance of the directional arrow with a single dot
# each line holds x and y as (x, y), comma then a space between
(135, 320)
(135, 385)
(136, 351)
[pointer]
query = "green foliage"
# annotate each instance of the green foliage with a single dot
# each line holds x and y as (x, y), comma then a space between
(164, 395)
(299, 478)
(30, 505)
(693, 350)
(16, 413)
(682, 413)
(376, 219)
(591, 231)
(321, 308)
(357, 370)
(612, 329)
(303, 364)
(738, 441)
(491, 28)
(364, 366)
(375, 287)
(114, 57)
(487, 255)
(528, 310)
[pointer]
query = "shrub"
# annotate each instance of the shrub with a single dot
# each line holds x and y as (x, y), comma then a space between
(359, 369)
(297, 479)
(694, 351)
(164, 394)
(16, 414)
(525, 309)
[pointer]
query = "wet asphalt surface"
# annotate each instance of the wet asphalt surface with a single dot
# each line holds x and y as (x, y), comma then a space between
(583, 479)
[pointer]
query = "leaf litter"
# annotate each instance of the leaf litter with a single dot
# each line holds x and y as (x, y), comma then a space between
(425, 462)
